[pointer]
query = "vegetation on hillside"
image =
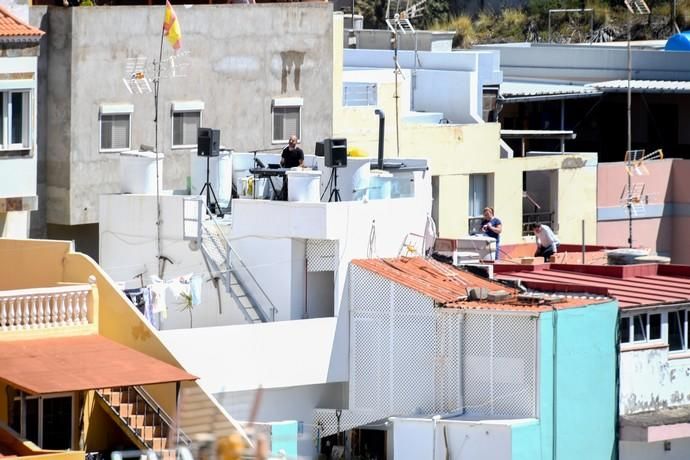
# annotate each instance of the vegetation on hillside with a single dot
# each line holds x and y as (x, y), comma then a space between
(608, 22)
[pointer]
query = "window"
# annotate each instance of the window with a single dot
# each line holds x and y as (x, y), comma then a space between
(186, 120)
(645, 327)
(678, 330)
(47, 421)
(287, 118)
(115, 125)
(479, 198)
(14, 129)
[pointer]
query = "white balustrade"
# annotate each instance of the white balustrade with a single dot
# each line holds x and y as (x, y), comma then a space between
(39, 308)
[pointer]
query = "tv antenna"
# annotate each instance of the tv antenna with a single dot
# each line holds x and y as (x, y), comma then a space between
(141, 77)
(633, 195)
(400, 23)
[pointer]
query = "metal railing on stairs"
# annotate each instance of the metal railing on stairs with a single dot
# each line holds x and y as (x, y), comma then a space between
(235, 274)
(144, 418)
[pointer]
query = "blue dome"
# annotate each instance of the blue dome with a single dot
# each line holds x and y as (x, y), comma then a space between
(679, 42)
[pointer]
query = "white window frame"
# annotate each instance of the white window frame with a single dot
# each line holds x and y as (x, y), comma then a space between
(6, 101)
(664, 339)
(286, 103)
(115, 109)
(684, 333)
(40, 399)
(185, 107)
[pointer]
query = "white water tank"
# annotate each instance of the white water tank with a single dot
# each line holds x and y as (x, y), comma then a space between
(304, 185)
(380, 185)
(138, 172)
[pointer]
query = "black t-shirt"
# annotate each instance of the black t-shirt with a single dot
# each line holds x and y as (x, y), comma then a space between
(292, 158)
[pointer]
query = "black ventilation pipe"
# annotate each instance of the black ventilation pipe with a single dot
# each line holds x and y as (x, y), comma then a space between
(382, 125)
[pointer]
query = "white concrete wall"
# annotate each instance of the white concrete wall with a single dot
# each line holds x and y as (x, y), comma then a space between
(295, 403)
(414, 440)
(128, 247)
(270, 355)
(680, 450)
(448, 82)
(18, 176)
(14, 224)
(650, 381)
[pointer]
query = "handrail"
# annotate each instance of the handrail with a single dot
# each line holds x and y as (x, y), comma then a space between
(160, 417)
(162, 414)
(230, 252)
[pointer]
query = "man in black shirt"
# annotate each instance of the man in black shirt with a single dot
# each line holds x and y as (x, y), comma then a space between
(292, 155)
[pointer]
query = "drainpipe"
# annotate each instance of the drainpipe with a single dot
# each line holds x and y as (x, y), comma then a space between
(435, 420)
(554, 383)
(382, 125)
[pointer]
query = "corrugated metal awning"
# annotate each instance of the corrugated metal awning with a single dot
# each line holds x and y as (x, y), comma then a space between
(643, 86)
(62, 364)
(533, 91)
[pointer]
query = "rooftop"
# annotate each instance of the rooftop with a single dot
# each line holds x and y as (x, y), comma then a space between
(449, 286)
(13, 27)
(632, 285)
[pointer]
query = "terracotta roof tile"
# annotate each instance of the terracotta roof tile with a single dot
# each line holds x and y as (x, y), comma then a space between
(12, 26)
(448, 285)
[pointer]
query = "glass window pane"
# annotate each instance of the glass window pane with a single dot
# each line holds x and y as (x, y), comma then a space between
(478, 200)
(32, 420)
(640, 327)
(115, 131)
(57, 423)
(675, 328)
(655, 326)
(625, 330)
(185, 128)
(286, 122)
(15, 416)
(17, 118)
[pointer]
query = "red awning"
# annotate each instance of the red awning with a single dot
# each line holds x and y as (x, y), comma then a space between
(62, 364)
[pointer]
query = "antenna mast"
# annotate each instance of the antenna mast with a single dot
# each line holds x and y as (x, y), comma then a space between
(400, 22)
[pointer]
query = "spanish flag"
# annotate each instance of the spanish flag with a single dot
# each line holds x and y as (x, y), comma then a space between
(171, 27)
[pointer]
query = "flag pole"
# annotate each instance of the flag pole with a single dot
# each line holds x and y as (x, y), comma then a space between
(156, 88)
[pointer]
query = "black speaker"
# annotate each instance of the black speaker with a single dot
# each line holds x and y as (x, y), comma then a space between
(335, 153)
(318, 149)
(208, 142)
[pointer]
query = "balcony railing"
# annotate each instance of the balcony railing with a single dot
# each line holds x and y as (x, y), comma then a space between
(531, 218)
(51, 307)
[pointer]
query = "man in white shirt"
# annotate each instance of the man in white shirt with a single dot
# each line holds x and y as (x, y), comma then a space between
(547, 242)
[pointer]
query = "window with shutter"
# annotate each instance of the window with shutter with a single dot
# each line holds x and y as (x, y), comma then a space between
(115, 132)
(185, 128)
(286, 122)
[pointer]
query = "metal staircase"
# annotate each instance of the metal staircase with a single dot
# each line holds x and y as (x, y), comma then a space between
(226, 264)
(143, 420)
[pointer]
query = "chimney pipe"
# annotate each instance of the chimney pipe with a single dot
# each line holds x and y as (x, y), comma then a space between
(382, 124)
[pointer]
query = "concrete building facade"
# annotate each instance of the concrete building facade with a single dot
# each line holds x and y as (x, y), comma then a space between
(224, 79)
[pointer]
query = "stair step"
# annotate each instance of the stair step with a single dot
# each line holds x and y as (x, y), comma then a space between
(157, 444)
(151, 432)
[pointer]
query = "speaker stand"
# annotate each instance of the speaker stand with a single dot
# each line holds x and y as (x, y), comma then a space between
(212, 207)
(335, 193)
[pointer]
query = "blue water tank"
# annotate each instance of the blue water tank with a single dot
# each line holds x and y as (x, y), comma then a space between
(679, 42)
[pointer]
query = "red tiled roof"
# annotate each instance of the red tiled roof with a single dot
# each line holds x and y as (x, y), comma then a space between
(632, 285)
(448, 285)
(12, 26)
(56, 365)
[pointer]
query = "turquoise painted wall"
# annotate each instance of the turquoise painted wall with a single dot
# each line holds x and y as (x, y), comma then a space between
(526, 441)
(584, 343)
(284, 437)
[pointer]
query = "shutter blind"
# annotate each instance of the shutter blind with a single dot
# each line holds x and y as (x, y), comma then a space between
(115, 131)
(286, 122)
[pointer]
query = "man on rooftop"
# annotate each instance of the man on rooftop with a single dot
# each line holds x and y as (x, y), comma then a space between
(292, 155)
(547, 242)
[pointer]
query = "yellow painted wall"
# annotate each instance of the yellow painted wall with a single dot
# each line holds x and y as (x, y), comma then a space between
(455, 151)
(41, 263)
(31, 263)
